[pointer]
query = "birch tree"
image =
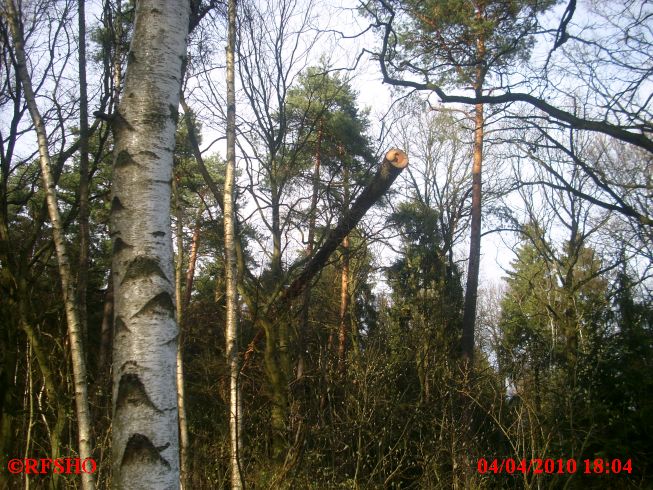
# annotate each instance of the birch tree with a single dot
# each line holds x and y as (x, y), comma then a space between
(231, 334)
(181, 309)
(65, 273)
(145, 430)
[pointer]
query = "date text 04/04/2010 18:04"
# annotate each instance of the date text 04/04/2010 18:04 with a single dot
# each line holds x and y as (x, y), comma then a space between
(551, 466)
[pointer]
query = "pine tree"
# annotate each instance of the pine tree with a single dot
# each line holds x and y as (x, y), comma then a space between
(466, 45)
(554, 323)
(426, 292)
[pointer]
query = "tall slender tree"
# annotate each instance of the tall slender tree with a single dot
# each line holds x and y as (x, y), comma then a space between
(231, 271)
(330, 131)
(181, 310)
(65, 272)
(84, 233)
(145, 425)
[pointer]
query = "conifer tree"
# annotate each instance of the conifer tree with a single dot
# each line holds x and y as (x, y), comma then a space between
(467, 45)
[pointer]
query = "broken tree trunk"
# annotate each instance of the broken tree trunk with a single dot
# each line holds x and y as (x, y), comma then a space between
(393, 163)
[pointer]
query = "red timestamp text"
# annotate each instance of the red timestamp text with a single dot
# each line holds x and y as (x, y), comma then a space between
(550, 466)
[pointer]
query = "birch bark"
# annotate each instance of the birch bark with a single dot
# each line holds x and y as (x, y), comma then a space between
(65, 273)
(181, 312)
(231, 334)
(145, 430)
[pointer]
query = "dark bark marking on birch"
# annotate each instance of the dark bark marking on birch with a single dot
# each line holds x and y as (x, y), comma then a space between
(156, 116)
(126, 364)
(119, 245)
(140, 452)
(124, 159)
(161, 304)
(119, 326)
(172, 340)
(116, 204)
(118, 122)
(131, 391)
(158, 233)
(174, 113)
(150, 154)
(141, 267)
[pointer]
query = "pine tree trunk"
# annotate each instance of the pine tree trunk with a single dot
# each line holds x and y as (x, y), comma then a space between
(344, 283)
(68, 289)
(145, 423)
(106, 330)
(182, 305)
(192, 260)
(471, 292)
(231, 334)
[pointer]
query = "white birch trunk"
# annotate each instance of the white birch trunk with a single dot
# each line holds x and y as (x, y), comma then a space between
(67, 286)
(231, 334)
(145, 431)
(181, 311)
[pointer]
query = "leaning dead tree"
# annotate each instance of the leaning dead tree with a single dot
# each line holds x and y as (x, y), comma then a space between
(393, 163)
